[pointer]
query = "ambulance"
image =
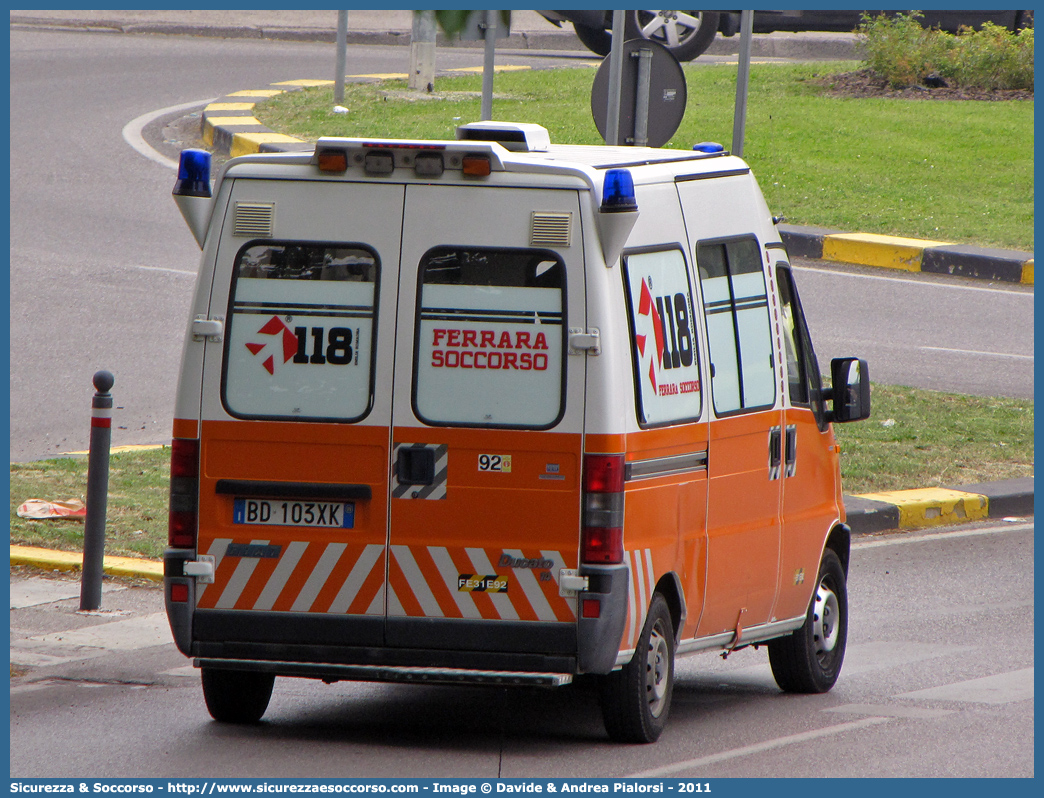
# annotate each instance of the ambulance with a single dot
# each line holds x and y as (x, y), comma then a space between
(502, 412)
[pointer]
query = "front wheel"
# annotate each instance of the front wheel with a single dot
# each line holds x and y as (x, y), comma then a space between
(687, 34)
(637, 698)
(809, 659)
(236, 696)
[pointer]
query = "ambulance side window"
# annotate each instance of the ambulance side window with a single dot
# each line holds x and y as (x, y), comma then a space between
(803, 376)
(490, 343)
(738, 329)
(664, 348)
(298, 341)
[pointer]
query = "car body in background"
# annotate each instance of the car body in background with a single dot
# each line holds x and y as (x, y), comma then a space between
(688, 34)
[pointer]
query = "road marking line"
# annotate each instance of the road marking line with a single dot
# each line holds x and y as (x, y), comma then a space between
(1001, 688)
(901, 538)
(132, 131)
(885, 710)
(974, 352)
(925, 283)
(757, 748)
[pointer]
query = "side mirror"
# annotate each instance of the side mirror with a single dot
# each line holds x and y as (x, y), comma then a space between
(850, 394)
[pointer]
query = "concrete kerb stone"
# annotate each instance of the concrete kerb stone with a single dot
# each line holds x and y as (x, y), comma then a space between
(909, 254)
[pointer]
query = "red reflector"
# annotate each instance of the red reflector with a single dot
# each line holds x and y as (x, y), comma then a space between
(332, 160)
(475, 165)
(592, 608)
(603, 473)
(179, 593)
(603, 545)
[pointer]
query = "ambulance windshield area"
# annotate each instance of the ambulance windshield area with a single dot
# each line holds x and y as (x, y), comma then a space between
(490, 343)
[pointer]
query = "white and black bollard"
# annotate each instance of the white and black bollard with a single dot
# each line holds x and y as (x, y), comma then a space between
(97, 493)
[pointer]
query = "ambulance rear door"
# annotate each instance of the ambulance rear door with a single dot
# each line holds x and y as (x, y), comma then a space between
(487, 435)
(295, 418)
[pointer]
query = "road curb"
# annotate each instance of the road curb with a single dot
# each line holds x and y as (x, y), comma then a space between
(867, 513)
(50, 560)
(929, 507)
(909, 254)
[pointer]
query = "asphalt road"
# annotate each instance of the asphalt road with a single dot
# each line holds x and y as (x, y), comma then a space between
(937, 682)
(102, 266)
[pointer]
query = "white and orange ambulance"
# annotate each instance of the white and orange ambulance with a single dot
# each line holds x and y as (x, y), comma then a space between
(498, 411)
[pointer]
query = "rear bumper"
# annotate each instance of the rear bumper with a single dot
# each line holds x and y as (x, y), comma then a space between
(312, 640)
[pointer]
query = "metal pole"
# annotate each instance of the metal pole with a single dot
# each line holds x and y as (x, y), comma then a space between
(612, 125)
(641, 97)
(739, 121)
(97, 493)
(342, 56)
(487, 66)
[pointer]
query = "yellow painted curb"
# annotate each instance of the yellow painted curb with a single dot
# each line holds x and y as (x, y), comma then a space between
(230, 107)
(249, 143)
(256, 93)
(233, 121)
(1027, 272)
(304, 83)
(870, 249)
(50, 560)
(933, 506)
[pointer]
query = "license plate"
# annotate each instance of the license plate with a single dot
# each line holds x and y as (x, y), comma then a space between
(279, 512)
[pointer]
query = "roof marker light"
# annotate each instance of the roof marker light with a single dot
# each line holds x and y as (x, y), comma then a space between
(332, 160)
(618, 192)
(476, 165)
(708, 146)
(193, 174)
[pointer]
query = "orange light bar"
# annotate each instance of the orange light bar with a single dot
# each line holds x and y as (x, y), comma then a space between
(476, 165)
(332, 160)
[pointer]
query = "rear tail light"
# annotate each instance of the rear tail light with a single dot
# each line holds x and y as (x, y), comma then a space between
(184, 493)
(602, 540)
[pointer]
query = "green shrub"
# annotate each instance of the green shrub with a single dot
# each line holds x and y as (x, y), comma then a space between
(905, 53)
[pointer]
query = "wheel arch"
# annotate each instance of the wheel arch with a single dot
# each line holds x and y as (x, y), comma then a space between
(670, 588)
(840, 541)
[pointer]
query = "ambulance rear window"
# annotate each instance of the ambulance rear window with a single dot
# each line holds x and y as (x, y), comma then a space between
(490, 343)
(299, 332)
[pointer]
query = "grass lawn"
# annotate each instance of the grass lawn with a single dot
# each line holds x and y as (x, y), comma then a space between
(959, 171)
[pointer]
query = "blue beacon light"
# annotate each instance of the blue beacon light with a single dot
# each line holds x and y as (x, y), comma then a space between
(708, 146)
(193, 174)
(618, 192)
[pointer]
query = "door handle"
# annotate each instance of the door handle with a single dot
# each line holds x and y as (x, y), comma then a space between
(415, 466)
(775, 451)
(791, 450)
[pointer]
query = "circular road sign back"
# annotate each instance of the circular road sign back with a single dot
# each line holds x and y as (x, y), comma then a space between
(667, 94)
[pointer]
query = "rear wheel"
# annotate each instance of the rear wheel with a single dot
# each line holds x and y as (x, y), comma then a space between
(809, 659)
(236, 696)
(687, 34)
(637, 698)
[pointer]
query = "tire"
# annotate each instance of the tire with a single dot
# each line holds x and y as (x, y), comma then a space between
(809, 660)
(636, 699)
(236, 696)
(687, 34)
(597, 40)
